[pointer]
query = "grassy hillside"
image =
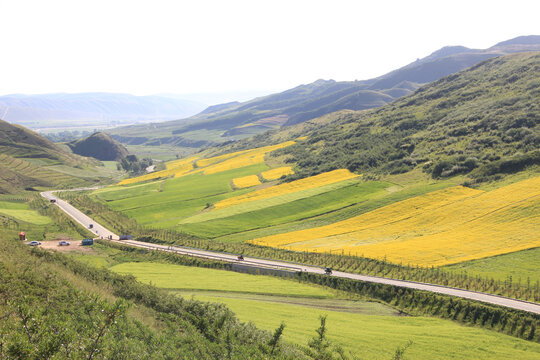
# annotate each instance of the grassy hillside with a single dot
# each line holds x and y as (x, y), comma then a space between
(29, 162)
(54, 307)
(99, 146)
(482, 122)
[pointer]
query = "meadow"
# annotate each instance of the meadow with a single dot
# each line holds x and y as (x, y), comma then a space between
(22, 212)
(361, 332)
(519, 267)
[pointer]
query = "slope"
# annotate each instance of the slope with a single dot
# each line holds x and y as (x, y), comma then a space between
(482, 121)
(28, 161)
(305, 102)
(99, 146)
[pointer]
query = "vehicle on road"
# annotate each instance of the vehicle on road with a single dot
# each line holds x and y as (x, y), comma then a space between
(240, 257)
(87, 242)
(34, 243)
(125, 237)
(91, 226)
(64, 243)
(53, 201)
(328, 271)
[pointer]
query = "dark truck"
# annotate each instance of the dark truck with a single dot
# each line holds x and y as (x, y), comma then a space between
(86, 242)
(125, 237)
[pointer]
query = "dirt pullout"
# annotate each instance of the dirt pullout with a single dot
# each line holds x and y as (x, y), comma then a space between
(75, 245)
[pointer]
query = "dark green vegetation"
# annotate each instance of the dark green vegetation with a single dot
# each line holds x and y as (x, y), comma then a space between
(482, 122)
(224, 122)
(123, 224)
(30, 162)
(99, 146)
(133, 165)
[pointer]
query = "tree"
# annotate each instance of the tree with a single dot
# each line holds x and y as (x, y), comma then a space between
(275, 338)
(319, 346)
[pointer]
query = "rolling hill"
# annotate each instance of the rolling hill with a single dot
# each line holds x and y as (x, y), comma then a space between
(99, 146)
(482, 121)
(28, 161)
(235, 120)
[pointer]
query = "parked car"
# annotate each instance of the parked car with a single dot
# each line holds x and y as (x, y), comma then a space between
(63, 243)
(34, 243)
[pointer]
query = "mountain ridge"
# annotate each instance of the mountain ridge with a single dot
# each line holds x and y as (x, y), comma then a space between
(235, 121)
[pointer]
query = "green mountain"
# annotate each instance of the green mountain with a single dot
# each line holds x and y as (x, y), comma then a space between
(99, 146)
(482, 121)
(235, 120)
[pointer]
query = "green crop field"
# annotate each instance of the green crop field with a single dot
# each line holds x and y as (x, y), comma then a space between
(376, 337)
(21, 211)
(368, 330)
(522, 266)
(192, 278)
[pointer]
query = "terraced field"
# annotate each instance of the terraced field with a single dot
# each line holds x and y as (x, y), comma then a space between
(439, 228)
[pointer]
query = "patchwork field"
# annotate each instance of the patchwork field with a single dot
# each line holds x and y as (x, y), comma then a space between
(208, 166)
(357, 326)
(439, 228)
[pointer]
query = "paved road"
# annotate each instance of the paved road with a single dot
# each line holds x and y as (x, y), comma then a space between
(289, 266)
(78, 216)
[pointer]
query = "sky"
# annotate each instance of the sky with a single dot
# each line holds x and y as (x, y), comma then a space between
(202, 46)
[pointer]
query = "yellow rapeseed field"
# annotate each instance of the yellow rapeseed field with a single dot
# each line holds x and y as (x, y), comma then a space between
(181, 162)
(176, 168)
(211, 165)
(276, 173)
(287, 188)
(239, 159)
(443, 227)
(246, 181)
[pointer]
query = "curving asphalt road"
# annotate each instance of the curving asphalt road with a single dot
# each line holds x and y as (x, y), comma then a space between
(101, 231)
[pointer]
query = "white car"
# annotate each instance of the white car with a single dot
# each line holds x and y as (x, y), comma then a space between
(63, 243)
(34, 243)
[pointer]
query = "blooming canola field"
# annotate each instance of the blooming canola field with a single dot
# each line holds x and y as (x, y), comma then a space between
(439, 228)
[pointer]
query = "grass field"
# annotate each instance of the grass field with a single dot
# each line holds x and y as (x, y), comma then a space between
(21, 211)
(443, 227)
(369, 330)
(191, 278)
(520, 265)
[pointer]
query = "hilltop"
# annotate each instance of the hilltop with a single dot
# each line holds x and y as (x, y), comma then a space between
(99, 146)
(235, 120)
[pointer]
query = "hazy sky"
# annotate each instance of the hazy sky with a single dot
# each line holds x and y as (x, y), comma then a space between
(154, 46)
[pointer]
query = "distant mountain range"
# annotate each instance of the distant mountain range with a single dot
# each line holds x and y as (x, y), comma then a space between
(50, 111)
(237, 120)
